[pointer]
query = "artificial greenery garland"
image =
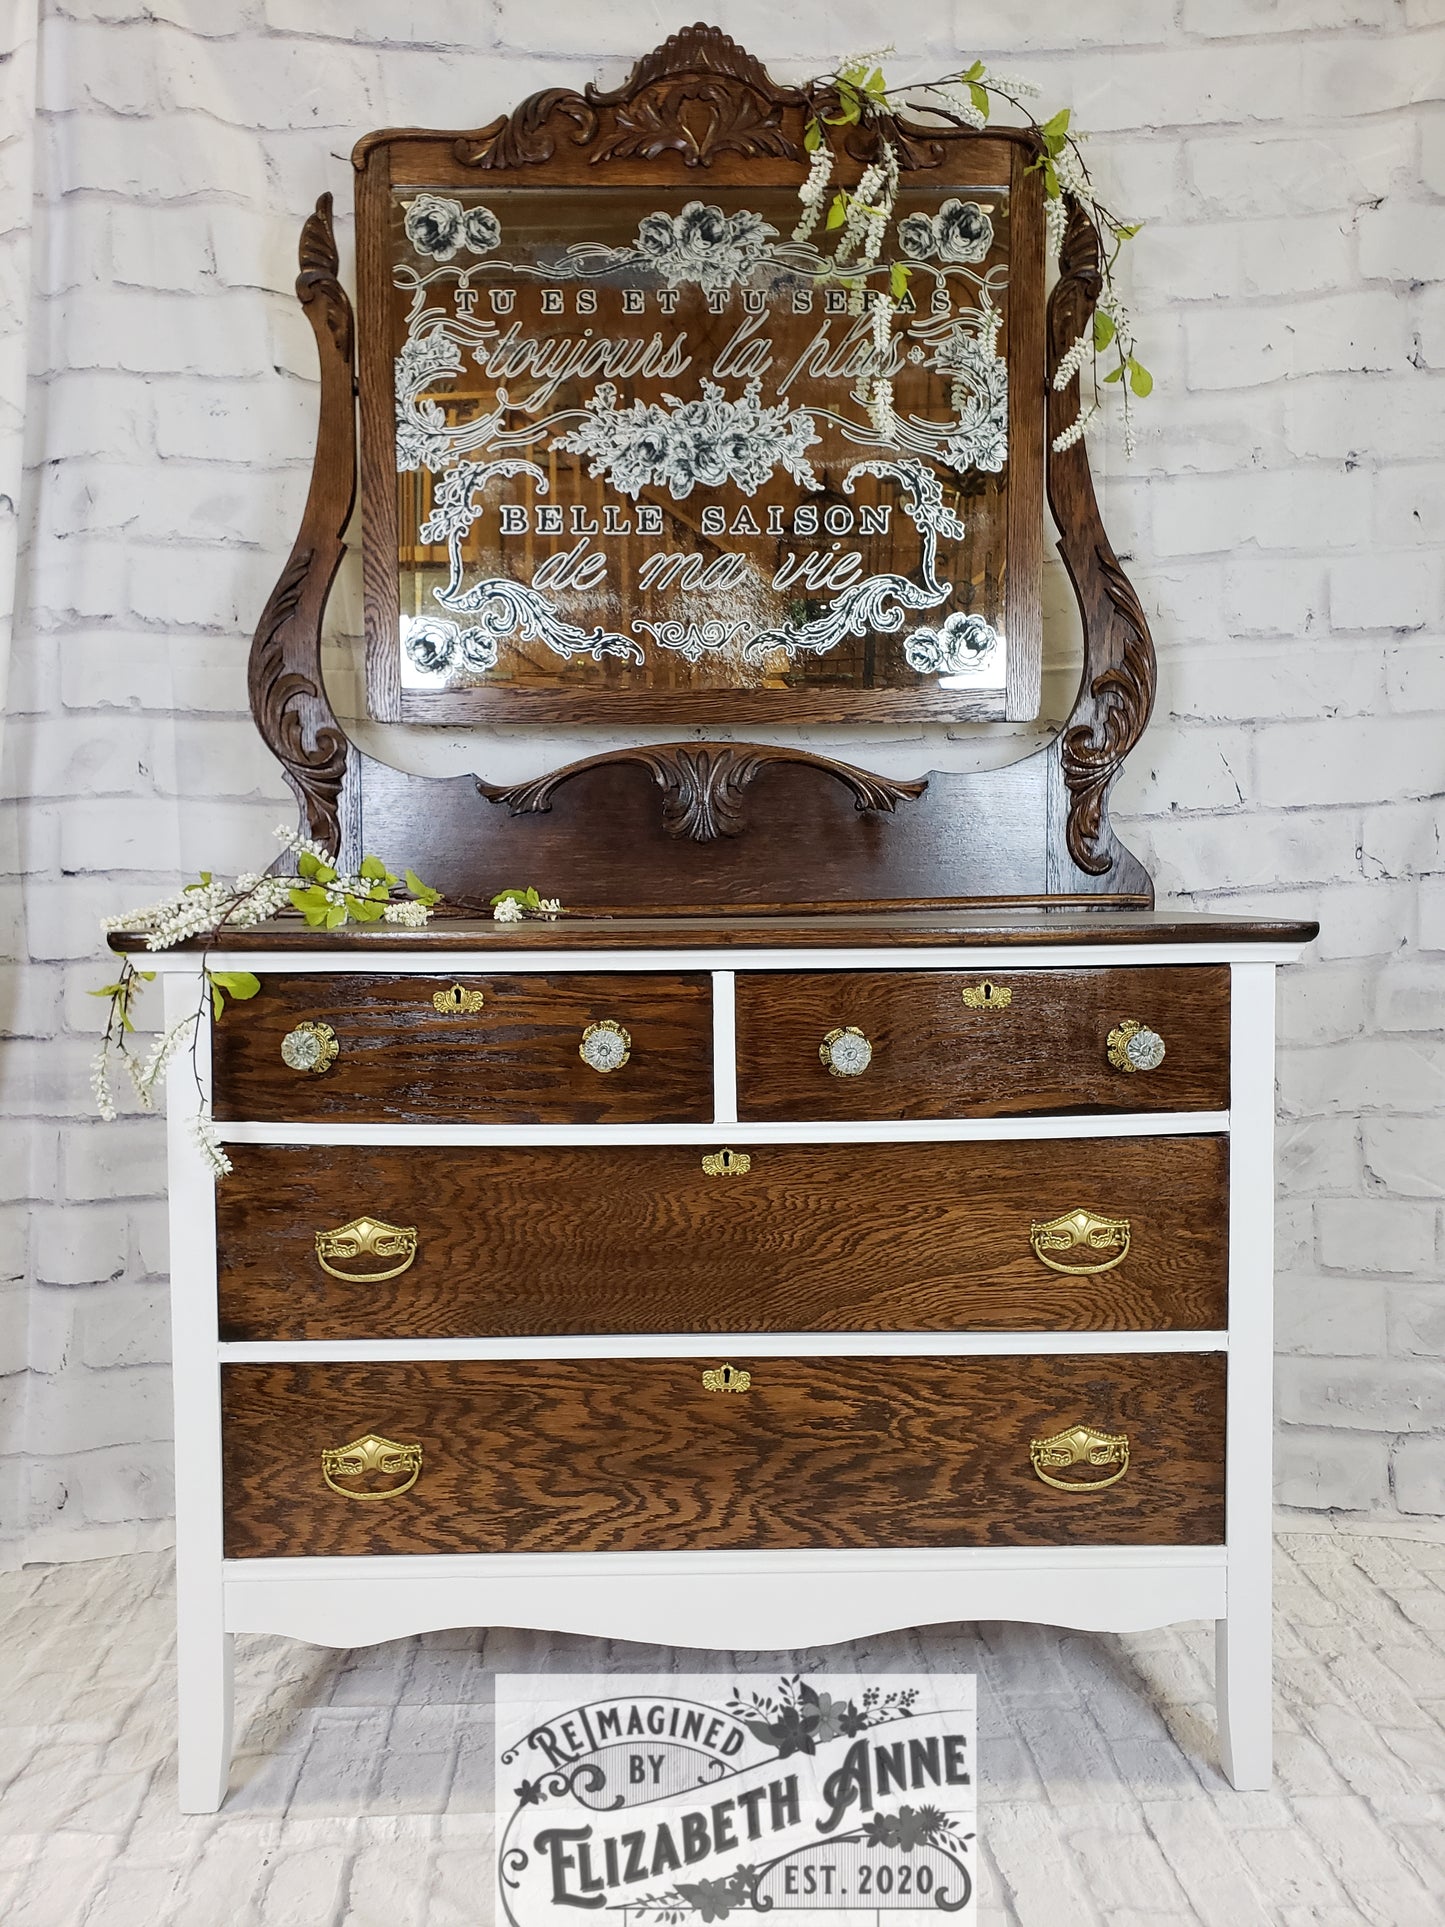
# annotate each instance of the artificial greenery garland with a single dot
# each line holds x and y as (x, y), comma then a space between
(325, 897)
(857, 95)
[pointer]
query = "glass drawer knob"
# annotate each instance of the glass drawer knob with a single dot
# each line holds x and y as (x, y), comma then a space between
(605, 1046)
(846, 1052)
(1134, 1047)
(310, 1047)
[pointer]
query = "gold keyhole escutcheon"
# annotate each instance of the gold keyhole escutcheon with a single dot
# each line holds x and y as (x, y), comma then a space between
(1085, 1448)
(987, 996)
(371, 1453)
(727, 1378)
(726, 1164)
(458, 1001)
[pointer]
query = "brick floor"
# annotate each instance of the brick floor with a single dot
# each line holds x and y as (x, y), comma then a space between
(361, 1794)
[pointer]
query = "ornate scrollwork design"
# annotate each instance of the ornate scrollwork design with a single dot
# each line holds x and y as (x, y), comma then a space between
(702, 784)
(524, 138)
(1116, 694)
(288, 697)
(698, 94)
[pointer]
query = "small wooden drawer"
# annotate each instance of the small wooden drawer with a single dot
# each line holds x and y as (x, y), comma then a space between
(630, 1455)
(505, 1049)
(1089, 1234)
(911, 1043)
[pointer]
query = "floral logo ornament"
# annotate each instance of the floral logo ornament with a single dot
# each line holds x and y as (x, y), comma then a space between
(797, 1718)
(704, 245)
(959, 648)
(699, 444)
(438, 226)
(960, 232)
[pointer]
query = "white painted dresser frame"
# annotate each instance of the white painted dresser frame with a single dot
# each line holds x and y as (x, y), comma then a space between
(752, 1600)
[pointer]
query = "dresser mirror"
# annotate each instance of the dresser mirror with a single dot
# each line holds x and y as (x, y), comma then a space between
(638, 470)
(633, 448)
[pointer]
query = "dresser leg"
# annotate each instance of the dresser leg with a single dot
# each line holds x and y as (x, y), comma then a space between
(1244, 1695)
(206, 1700)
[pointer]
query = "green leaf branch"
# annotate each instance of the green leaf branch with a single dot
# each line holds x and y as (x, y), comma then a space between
(198, 912)
(857, 95)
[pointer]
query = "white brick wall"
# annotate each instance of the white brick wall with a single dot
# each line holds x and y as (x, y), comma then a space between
(1284, 523)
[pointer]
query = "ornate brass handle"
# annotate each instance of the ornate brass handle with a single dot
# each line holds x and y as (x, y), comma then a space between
(987, 996)
(1134, 1047)
(458, 1001)
(371, 1454)
(1081, 1445)
(726, 1164)
(310, 1047)
(846, 1052)
(727, 1378)
(605, 1046)
(367, 1238)
(1078, 1232)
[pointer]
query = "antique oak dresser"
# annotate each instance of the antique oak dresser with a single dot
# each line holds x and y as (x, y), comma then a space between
(855, 1212)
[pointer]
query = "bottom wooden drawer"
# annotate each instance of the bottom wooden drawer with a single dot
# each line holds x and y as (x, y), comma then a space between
(636, 1455)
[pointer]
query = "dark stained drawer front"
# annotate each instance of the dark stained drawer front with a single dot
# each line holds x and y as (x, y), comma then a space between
(513, 1058)
(614, 1455)
(322, 1242)
(914, 1044)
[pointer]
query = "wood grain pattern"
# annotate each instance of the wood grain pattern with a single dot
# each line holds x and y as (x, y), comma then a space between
(868, 926)
(515, 1062)
(287, 694)
(868, 1237)
(934, 1057)
(1116, 690)
(631, 1456)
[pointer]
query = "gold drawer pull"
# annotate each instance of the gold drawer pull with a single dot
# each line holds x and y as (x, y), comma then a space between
(1080, 1445)
(605, 1046)
(310, 1047)
(987, 996)
(367, 1238)
(1078, 1232)
(371, 1454)
(726, 1164)
(727, 1378)
(1134, 1047)
(846, 1052)
(458, 1001)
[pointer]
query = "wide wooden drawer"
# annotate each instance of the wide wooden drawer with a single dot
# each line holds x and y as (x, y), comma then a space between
(515, 1058)
(322, 1242)
(637, 1455)
(957, 1044)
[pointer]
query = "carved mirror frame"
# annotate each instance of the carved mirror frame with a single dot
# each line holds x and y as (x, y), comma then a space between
(736, 826)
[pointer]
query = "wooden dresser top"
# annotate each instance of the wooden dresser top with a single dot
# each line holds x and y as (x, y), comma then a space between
(866, 929)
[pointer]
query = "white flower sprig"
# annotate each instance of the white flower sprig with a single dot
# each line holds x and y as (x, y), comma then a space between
(515, 906)
(325, 898)
(856, 94)
(813, 190)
